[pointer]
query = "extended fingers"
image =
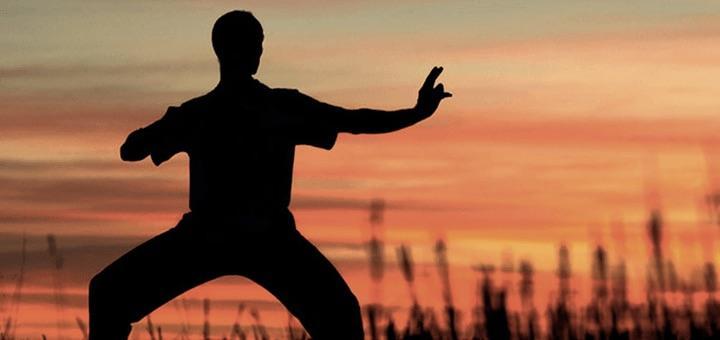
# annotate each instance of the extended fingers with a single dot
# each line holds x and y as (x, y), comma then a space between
(432, 77)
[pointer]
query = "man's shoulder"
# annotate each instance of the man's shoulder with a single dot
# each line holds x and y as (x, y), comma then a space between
(289, 93)
(290, 96)
(198, 102)
(280, 91)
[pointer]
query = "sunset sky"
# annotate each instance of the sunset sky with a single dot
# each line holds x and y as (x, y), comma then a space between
(570, 121)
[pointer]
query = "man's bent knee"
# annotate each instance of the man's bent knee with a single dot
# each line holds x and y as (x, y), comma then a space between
(101, 295)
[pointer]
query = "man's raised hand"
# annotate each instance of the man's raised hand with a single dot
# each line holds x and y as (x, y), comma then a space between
(429, 96)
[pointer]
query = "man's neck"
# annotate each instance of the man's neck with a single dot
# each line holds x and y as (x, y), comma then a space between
(233, 78)
(235, 81)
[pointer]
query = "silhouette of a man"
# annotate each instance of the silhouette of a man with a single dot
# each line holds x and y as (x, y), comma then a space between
(241, 138)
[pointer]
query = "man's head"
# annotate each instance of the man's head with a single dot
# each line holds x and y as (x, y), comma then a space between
(237, 40)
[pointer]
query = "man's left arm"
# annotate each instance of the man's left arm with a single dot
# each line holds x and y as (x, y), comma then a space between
(373, 121)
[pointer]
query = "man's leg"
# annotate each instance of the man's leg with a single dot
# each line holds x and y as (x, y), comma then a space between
(144, 279)
(310, 287)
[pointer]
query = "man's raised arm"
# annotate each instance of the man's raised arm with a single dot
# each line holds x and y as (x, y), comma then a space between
(381, 121)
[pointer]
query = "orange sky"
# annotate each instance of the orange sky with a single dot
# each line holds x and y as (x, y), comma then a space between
(568, 118)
